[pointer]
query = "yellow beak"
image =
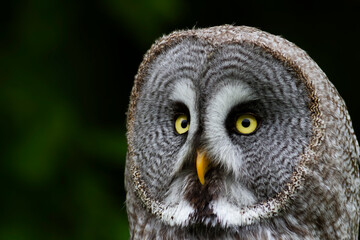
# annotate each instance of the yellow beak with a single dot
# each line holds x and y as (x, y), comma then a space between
(202, 166)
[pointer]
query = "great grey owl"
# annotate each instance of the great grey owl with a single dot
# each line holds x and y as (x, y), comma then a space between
(234, 133)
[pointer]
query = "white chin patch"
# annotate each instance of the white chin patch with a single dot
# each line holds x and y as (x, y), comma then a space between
(231, 215)
(228, 208)
(178, 215)
(178, 209)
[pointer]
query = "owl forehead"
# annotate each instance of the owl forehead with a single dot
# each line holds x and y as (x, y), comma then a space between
(194, 68)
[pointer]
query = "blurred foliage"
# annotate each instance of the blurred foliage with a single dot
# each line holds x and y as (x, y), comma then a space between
(145, 19)
(66, 73)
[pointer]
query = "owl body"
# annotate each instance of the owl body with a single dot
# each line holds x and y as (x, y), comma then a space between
(235, 133)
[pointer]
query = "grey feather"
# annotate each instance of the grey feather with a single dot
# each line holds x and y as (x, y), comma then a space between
(296, 177)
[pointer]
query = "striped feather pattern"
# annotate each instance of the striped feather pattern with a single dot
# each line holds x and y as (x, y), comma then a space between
(297, 177)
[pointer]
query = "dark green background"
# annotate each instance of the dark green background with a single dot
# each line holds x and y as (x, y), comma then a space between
(66, 71)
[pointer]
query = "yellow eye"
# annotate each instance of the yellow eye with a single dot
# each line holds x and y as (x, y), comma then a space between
(182, 124)
(246, 124)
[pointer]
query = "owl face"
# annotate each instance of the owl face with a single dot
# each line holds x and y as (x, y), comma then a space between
(219, 128)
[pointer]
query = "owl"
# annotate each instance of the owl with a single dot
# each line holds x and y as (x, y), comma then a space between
(234, 133)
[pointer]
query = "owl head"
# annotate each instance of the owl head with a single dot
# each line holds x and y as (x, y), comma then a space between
(233, 131)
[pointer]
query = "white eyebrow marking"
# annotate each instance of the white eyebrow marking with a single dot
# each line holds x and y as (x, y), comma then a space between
(220, 145)
(184, 92)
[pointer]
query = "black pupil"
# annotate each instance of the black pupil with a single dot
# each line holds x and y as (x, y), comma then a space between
(184, 123)
(245, 123)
